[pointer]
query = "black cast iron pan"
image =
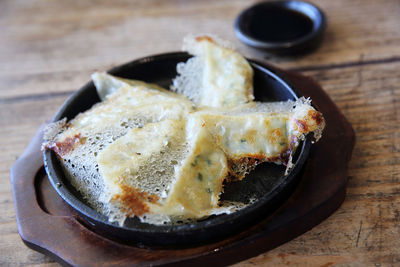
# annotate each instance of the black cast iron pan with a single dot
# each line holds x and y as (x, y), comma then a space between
(267, 183)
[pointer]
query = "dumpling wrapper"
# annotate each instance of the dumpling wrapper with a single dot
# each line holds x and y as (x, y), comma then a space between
(216, 76)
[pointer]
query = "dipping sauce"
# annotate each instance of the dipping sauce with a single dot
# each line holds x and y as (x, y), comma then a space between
(275, 24)
(282, 27)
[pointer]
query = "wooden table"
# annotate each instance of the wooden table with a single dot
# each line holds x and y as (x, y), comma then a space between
(48, 49)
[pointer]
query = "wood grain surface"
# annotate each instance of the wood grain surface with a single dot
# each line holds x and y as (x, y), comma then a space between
(48, 49)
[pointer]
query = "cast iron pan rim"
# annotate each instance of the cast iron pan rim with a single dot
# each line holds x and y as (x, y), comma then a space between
(319, 25)
(94, 217)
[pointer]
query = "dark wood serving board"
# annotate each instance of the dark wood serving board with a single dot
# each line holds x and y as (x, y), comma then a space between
(48, 225)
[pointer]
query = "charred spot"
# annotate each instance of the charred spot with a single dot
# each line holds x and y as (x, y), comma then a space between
(302, 125)
(66, 146)
(316, 116)
(133, 201)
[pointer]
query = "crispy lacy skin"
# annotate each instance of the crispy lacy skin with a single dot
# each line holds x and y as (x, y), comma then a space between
(222, 145)
(226, 77)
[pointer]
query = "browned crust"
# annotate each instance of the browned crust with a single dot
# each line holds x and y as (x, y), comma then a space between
(316, 116)
(250, 161)
(303, 127)
(204, 38)
(66, 146)
(311, 122)
(133, 201)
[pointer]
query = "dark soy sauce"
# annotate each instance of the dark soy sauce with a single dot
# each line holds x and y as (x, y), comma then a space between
(275, 24)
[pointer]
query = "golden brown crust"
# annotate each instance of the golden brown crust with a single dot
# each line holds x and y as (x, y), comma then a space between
(311, 122)
(204, 38)
(250, 161)
(66, 146)
(316, 116)
(133, 201)
(303, 127)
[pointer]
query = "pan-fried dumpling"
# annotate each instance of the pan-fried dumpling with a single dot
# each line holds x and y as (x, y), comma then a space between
(148, 152)
(216, 76)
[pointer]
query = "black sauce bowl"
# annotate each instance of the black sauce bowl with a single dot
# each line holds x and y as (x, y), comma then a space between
(281, 27)
(267, 183)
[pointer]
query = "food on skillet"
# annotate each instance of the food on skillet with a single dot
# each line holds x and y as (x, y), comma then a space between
(148, 152)
(216, 76)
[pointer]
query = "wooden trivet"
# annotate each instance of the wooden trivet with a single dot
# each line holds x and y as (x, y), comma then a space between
(48, 225)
